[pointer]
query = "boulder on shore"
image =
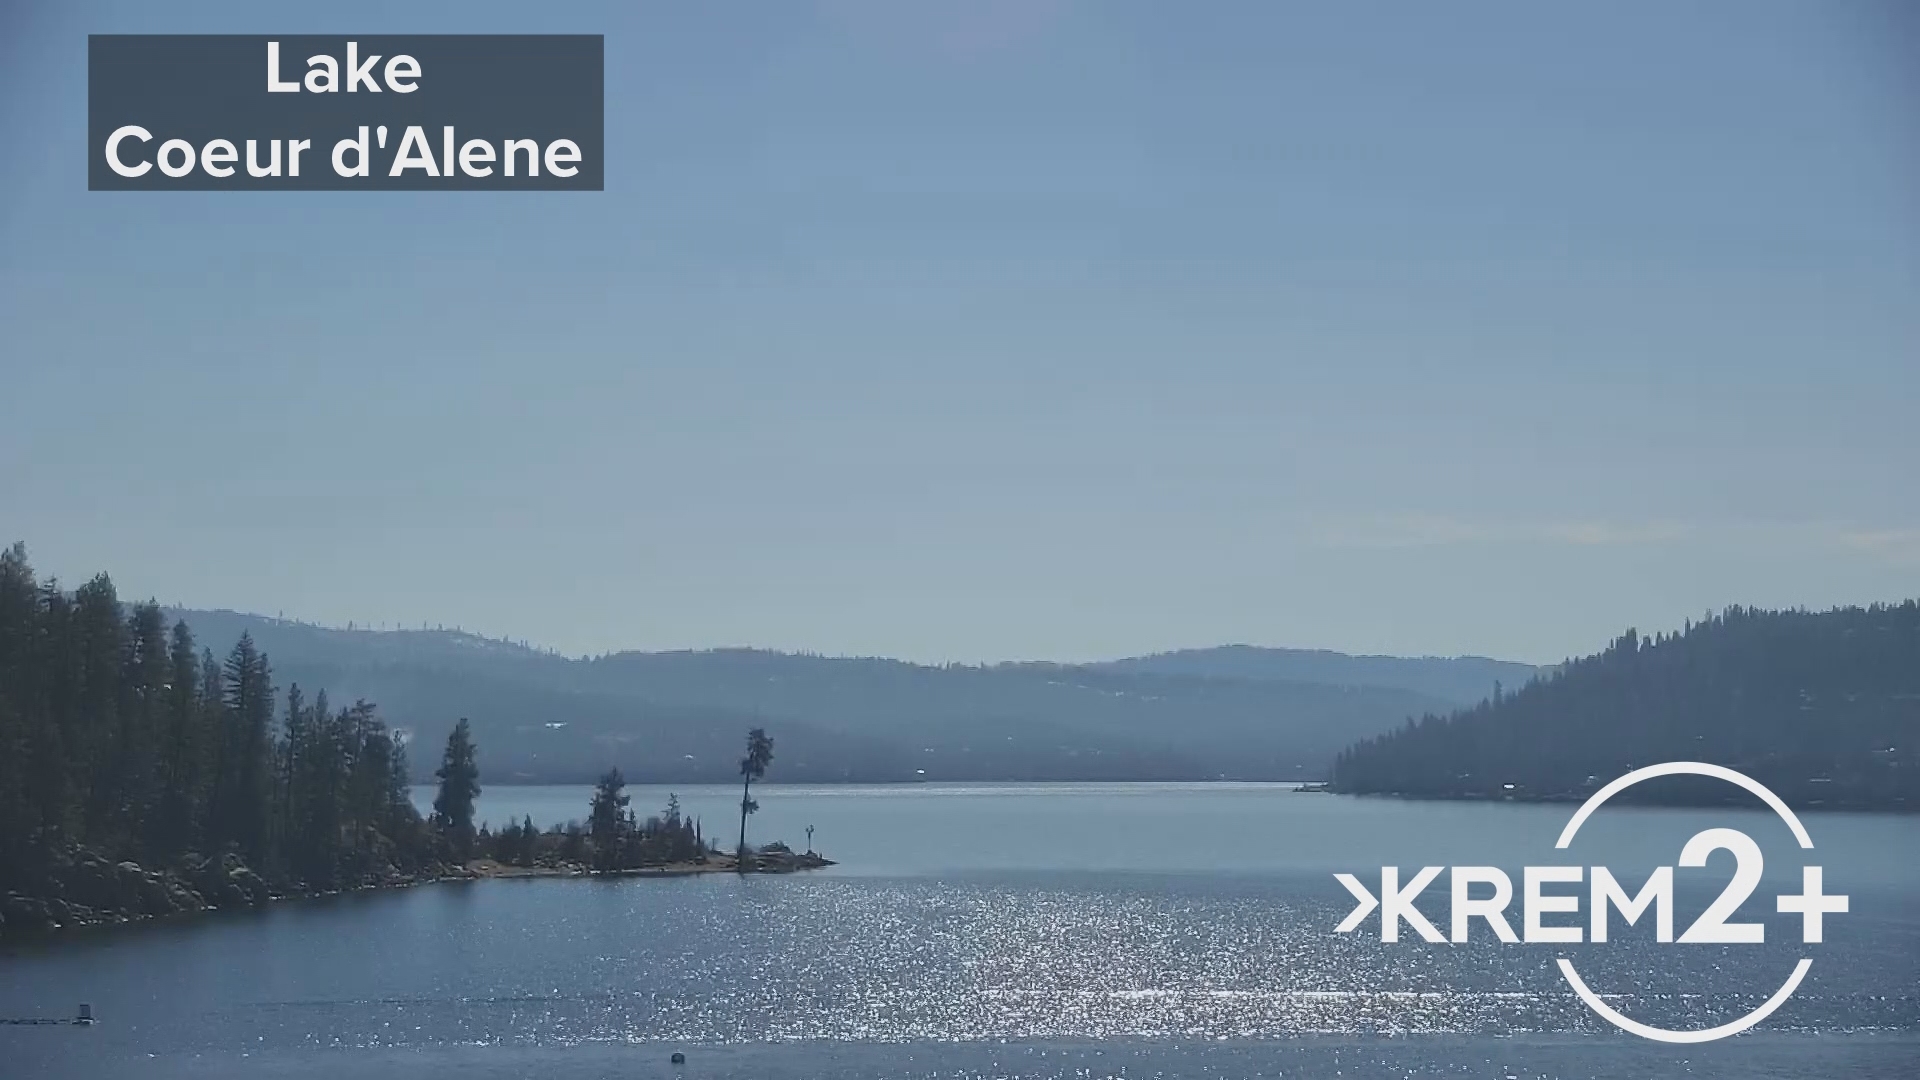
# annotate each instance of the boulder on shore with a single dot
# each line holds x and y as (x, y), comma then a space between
(76, 886)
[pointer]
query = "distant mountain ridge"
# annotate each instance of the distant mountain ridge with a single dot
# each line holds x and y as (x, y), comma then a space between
(1465, 679)
(676, 716)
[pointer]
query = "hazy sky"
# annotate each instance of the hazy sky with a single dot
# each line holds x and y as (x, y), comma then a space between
(1013, 329)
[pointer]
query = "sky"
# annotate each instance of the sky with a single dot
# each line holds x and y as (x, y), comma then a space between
(1012, 329)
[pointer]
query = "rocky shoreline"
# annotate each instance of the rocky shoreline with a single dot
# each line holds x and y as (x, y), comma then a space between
(766, 862)
(81, 888)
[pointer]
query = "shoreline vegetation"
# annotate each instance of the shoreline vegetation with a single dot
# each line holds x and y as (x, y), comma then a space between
(140, 777)
(78, 887)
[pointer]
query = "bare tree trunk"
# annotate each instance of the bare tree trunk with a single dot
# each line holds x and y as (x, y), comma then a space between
(746, 798)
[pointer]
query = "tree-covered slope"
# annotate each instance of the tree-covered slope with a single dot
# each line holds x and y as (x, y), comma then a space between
(1822, 707)
(1462, 680)
(126, 746)
(673, 716)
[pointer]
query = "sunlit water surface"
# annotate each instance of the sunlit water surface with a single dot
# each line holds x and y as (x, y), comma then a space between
(998, 931)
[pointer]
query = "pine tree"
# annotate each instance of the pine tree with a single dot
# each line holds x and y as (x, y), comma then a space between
(143, 704)
(292, 751)
(54, 770)
(401, 816)
(752, 767)
(98, 641)
(459, 787)
(211, 831)
(607, 820)
(18, 610)
(245, 790)
(183, 754)
(529, 841)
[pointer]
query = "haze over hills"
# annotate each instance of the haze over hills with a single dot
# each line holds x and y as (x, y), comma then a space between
(677, 716)
(1465, 679)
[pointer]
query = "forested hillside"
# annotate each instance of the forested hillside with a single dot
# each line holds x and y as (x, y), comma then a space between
(1463, 679)
(674, 716)
(1824, 708)
(125, 744)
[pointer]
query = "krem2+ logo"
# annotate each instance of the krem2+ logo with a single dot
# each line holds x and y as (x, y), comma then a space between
(1606, 895)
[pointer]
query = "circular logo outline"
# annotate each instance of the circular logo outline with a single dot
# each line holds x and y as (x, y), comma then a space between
(1608, 1012)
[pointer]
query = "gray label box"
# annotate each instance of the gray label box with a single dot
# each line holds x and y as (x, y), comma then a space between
(452, 112)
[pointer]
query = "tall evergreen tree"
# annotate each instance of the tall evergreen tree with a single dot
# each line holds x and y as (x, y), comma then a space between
(323, 784)
(18, 610)
(143, 704)
(752, 767)
(98, 640)
(459, 786)
(184, 749)
(247, 770)
(291, 752)
(56, 746)
(401, 815)
(607, 820)
(213, 731)
(529, 839)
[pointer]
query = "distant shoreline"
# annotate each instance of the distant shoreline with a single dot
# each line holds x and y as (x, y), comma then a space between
(1627, 799)
(734, 782)
(1316, 787)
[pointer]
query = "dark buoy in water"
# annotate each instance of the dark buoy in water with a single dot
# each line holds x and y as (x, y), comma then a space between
(678, 1058)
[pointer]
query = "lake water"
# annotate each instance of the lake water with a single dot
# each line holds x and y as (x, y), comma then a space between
(987, 931)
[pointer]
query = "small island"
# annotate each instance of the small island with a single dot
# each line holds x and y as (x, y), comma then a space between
(773, 859)
(613, 842)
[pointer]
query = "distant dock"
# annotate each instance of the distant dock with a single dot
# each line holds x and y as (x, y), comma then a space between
(84, 1018)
